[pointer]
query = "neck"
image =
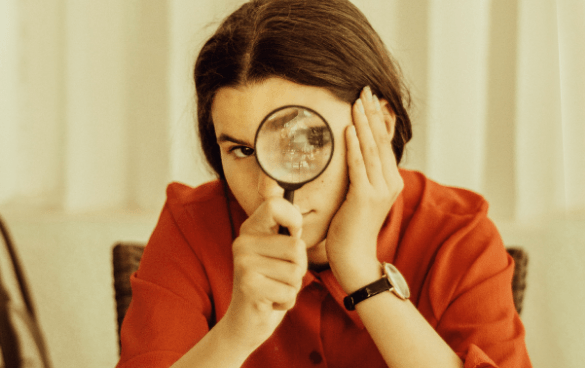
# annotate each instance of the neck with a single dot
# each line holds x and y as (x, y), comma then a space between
(318, 267)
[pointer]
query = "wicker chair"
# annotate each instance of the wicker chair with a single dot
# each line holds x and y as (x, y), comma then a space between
(519, 279)
(127, 258)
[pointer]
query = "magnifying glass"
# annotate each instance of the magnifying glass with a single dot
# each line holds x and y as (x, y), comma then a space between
(293, 146)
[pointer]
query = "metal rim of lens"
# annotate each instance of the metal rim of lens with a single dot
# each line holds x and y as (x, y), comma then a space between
(296, 107)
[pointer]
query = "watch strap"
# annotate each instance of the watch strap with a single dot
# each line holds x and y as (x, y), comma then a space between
(366, 292)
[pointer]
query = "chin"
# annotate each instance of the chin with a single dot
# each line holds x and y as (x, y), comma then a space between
(315, 237)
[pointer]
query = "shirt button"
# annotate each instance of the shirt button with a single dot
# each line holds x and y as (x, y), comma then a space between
(315, 357)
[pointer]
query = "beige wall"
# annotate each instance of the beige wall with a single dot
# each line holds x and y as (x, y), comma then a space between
(96, 116)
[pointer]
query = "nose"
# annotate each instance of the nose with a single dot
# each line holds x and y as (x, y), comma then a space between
(268, 187)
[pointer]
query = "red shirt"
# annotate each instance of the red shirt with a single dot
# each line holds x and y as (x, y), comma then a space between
(440, 238)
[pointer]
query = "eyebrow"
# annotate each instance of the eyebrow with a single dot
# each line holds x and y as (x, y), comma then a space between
(227, 138)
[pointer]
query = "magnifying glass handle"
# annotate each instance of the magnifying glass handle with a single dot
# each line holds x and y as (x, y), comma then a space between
(289, 195)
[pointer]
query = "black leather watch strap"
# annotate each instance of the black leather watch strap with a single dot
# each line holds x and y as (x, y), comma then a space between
(366, 292)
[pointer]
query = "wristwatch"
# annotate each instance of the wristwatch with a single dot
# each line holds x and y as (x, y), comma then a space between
(392, 281)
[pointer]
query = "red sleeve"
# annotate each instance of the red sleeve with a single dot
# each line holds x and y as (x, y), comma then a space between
(169, 312)
(471, 298)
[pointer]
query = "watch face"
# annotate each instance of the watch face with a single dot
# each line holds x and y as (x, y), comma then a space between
(397, 280)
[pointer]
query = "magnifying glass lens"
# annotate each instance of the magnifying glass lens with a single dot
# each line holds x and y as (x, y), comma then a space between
(294, 145)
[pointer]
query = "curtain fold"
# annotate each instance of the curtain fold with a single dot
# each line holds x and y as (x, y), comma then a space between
(571, 49)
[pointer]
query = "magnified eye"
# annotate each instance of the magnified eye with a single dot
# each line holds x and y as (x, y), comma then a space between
(319, 136)
(242, 151)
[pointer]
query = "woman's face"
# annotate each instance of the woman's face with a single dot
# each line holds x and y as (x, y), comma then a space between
(237, 113)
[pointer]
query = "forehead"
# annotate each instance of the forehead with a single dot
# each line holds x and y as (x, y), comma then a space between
(238, 111)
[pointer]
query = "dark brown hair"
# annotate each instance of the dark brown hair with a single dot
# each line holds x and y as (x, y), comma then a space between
(323, 43)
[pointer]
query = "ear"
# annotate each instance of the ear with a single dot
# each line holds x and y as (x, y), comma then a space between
(389, 116)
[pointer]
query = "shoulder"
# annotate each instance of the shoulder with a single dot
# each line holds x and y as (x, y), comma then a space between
(441, 214)
(182, 194)
(446, 226)
(448, 232)
(208, 199)
(201, 212)
(424, 195)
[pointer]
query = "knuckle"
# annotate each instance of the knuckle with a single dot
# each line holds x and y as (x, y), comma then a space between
(247, 284)
(298, 273)
(369, 195)
(272, 204)
(241, 245)
(290, 294)
(299, 249)
(385, 139)
(285, 305)
(384, 194)
(357, 161)
(289, 305)
(242, 266)
(237, 249)
(245, 226)
(372, 150)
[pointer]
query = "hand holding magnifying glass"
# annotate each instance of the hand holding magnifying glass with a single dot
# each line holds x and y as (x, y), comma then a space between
(293, 146)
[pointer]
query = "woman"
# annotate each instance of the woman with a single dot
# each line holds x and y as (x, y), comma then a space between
(219, 287)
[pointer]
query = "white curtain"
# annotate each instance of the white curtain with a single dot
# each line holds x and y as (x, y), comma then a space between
(96, 115)
(499, 98)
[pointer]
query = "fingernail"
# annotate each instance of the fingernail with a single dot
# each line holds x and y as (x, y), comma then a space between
(360, 106)
(352, 130)
(377, 103)
(368, 91)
